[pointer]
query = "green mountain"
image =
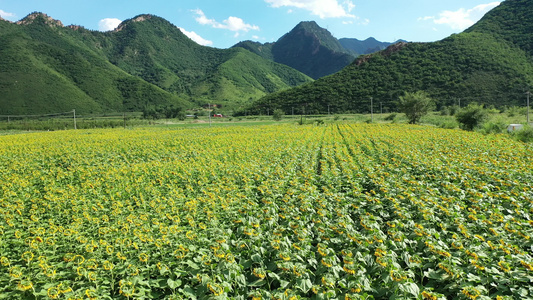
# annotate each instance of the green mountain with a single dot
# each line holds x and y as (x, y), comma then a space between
(491, 63)
(45, 70)
(312, 50)
(157, 51)
(307, 48)
(146, 61)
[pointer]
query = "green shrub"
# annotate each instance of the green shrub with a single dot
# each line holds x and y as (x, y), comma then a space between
(181, 116)
(516, 111)
(449, 125)
(415, 105)
(278, 114)
(471, 116)
(494, 127)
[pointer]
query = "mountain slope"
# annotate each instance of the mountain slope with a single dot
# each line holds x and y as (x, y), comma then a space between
(307, 48)
(490, 63)
(44, 70)
(157, 51)
(312, 50)
(263, 50)
(147, 61)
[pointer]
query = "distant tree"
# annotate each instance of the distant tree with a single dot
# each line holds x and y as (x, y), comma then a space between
(415, 105)
(278, 114)
(181, 115)
(472, 116)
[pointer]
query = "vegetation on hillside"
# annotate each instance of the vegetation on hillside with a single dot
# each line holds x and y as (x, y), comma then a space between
(307, 48)
(47, 67)
(368, 46)
(475, 66)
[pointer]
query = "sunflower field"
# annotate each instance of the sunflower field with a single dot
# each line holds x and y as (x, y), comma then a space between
(338, 211)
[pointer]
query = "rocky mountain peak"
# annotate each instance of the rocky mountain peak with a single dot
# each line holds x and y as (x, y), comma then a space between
(31, 18)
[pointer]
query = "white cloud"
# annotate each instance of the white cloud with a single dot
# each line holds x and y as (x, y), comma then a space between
(108, 24)
(202, 19)
(196, 37)
(231, 23)
(322, 8)
(462, 18)
(237, 24)
(6, 15)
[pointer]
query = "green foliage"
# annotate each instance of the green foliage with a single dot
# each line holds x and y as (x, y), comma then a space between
(167, 112)
(277, 114)
(449, 125)
(495, 126)
(160, 53)
(510, 21)
(182, 116)
(516, 111)
(415, 105)
(450, 110)
(472, 116)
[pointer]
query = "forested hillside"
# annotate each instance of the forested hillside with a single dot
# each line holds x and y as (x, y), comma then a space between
(44, 69)
(147, 61)
(490, 63)
(307, 48)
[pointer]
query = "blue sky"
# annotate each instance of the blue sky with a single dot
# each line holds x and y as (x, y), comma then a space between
(221, 24)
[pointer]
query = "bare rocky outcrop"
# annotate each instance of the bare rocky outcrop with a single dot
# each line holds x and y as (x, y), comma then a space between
(75, 27)
(33, 16)
(139, 18)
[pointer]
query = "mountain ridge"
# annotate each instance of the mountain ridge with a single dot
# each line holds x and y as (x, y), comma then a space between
(138, 65)
(313, 50)
(491, 63)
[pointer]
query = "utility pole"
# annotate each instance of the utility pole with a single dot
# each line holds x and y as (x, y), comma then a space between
(328, 109)
(527, 93)
(209, 112)
(74, 112)
(372, 109)
(381, 107)
(293, 111)
(124, 116)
